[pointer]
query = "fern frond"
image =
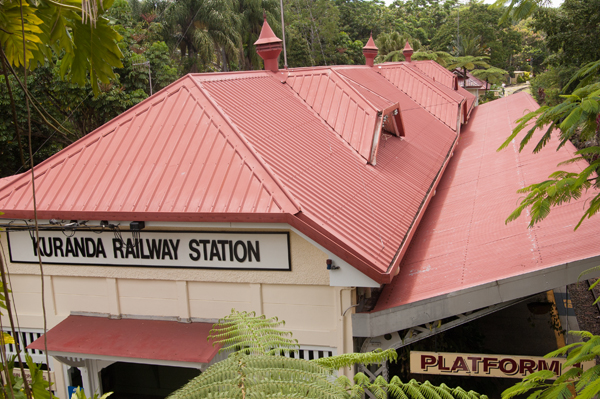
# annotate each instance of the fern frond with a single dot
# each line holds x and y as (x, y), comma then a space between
(252, 334)
(350, 359)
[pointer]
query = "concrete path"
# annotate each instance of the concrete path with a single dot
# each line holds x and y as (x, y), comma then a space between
(508, 90)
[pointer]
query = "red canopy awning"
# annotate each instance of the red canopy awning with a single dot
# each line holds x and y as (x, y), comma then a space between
(157, 340)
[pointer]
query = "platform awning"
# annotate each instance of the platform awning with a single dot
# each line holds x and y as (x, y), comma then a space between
(132, 340)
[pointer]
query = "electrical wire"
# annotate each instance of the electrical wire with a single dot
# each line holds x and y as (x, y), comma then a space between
(53, 133)
(35, 218)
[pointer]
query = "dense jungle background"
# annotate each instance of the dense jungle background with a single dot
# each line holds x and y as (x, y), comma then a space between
(163, 40)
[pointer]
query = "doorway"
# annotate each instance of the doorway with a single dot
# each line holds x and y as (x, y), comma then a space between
(144, 381)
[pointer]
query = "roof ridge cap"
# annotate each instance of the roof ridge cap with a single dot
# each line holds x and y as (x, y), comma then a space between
(250, 147)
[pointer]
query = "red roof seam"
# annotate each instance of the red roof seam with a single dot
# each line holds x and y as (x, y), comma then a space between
(162, 151)
(249, 146)
(161, 201)
(139, 153)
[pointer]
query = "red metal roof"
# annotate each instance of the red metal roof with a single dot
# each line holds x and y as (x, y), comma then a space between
(435, 71)
(131, 339)
(442, 102)
(174, 155)
(354, 202)
(7, 180)
(255, 147)
(345, 111)
(462, 240)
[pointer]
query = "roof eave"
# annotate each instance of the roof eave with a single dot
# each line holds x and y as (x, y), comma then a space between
(279, 217)
(345, 253)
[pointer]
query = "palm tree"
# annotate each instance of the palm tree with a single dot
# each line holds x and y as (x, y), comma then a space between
(390, 46)
(519, 9)
(492, 74)
(205, 29)
(468, 63)
(441, 57)
(251, 16)
(468, 55)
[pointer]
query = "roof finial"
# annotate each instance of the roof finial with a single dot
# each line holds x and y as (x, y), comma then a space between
(408, 52)
(268, 46)
(370, 51)
(264, 14)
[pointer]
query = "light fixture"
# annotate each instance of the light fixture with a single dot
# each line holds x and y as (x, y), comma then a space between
(331, 266)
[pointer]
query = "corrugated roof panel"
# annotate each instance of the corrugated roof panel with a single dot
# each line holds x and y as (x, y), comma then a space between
(436, 71)
(349, 199)
(470, 99)
(422, 90)
(172, 153)
(463, 240)
(347, 112)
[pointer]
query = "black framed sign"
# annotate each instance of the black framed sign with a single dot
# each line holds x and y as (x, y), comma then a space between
(183, 249)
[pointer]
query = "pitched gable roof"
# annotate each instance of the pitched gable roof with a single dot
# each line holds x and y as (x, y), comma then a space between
(345, 110)
(337, 190)
(171, 154)
(445, 77)
(255, 147)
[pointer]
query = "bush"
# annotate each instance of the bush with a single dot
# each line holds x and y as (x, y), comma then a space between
(521, 79)
(546, 86)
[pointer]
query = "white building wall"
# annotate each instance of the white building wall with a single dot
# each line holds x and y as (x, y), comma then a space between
(302, 297)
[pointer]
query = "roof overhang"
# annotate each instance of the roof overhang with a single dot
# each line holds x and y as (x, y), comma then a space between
(464, 256)
(132, 340)
(469, 299)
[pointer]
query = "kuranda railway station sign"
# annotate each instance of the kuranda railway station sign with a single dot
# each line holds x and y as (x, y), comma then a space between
(214, 250)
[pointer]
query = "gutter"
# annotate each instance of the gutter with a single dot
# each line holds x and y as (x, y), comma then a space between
(393, 267)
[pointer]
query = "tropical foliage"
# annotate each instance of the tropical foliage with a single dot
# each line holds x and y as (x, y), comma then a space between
(83, 73)
(263, 364)
(575, 383)
(61, 27)
(577, 117)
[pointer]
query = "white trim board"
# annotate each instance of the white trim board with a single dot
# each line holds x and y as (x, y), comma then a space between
(470, 299)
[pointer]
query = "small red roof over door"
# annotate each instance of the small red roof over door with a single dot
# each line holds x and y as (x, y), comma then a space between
(160, 340)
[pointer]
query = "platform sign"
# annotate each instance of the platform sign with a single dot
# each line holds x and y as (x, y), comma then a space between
(477, 365)
(212, 250)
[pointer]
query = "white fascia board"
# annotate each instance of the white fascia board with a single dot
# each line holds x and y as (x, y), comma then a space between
(201, 366)
(469, 299)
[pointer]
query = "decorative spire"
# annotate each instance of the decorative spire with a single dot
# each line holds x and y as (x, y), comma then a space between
(370, 51)
(408, 52)
(268, 46)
